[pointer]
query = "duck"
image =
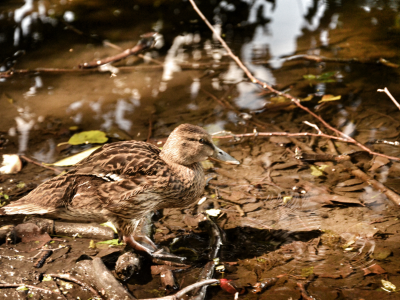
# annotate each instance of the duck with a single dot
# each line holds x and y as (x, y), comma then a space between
(124, 182)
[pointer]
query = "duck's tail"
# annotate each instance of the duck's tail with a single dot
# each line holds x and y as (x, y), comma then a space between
(23, 209)
(18, 208)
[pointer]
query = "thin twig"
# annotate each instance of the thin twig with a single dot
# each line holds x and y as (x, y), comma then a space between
(318, 59)
(146, 42)
(385, 90)
(391, 195)
(266, 86)
(40, 164)
(185, 290)
(304, 294)
(73, 279)
(11, 285)
(150, 129)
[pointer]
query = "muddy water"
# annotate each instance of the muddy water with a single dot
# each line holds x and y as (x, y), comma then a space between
(279, 216)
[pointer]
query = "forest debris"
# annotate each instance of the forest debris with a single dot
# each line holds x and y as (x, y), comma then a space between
(90, 231)
(148, 40)
(96, 274)
(186, 290)
(157, 269)
(258, 287)
(73, 279)
(378, 162)
(388, 286)
(193, 221)
(127, 264)
(167, 279)
(303, 292)
(328, 199)
(352, 188)
(252, 206)
(350, 182)
(230, 286)
(395, 198)
(88, 137)
(385, 90)
(374, 269)
(42, 258)
(11, 164)
(23, 287)
(328, 98)
(381, 253)
(29, 232)
(286, 165)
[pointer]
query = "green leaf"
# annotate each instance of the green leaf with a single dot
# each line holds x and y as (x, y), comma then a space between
(309, 77)
(47, 278)
(114, 242)
(22, 288)
(21, 185)
(74, 159)
(307, 271)
(325, 77)
(88, 137)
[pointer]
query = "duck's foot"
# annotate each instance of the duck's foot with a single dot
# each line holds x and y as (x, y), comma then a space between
(144, 244)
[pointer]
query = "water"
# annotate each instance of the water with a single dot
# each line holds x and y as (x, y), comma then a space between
(146, 100)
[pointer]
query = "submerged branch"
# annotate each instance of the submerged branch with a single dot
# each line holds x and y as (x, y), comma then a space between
(316, 58)
(385, 90)
(147, 41)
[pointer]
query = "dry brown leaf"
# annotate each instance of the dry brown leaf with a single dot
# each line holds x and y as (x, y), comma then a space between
(374, 269)
(29, 232)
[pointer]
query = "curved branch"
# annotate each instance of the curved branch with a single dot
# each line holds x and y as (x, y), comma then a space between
(266, 86)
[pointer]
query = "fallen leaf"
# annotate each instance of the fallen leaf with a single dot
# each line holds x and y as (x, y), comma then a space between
(29, 232)
(378, 162)
(388, 285)
(328, 98)
(374, 269)
(316, 171)
(114, 242)
(74, 159)
(230, 287)
(88, 137)
(11, 164)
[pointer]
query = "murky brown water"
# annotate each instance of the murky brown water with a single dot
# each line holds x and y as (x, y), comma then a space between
(268, 235)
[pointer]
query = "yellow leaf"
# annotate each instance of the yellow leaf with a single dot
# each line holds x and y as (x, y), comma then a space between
(308, 98)
(315, 171)
(74, 159)
(327, 98)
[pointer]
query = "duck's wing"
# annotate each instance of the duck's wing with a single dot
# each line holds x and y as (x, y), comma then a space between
(133, 171)
(123, 170)
(130, 158)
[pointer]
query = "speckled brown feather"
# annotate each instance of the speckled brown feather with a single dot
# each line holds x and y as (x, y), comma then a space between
(123, 182)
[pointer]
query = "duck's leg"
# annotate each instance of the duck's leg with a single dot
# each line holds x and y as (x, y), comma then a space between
(146, 245)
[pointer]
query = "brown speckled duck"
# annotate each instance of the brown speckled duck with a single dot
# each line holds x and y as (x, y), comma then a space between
(122, 182)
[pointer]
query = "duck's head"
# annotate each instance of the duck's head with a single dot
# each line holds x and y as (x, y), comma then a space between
(189, 144)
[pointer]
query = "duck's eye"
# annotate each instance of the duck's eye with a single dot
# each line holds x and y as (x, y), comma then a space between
(202, 141)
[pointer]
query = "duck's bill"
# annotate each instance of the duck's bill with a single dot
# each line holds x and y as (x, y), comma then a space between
(222, 156)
